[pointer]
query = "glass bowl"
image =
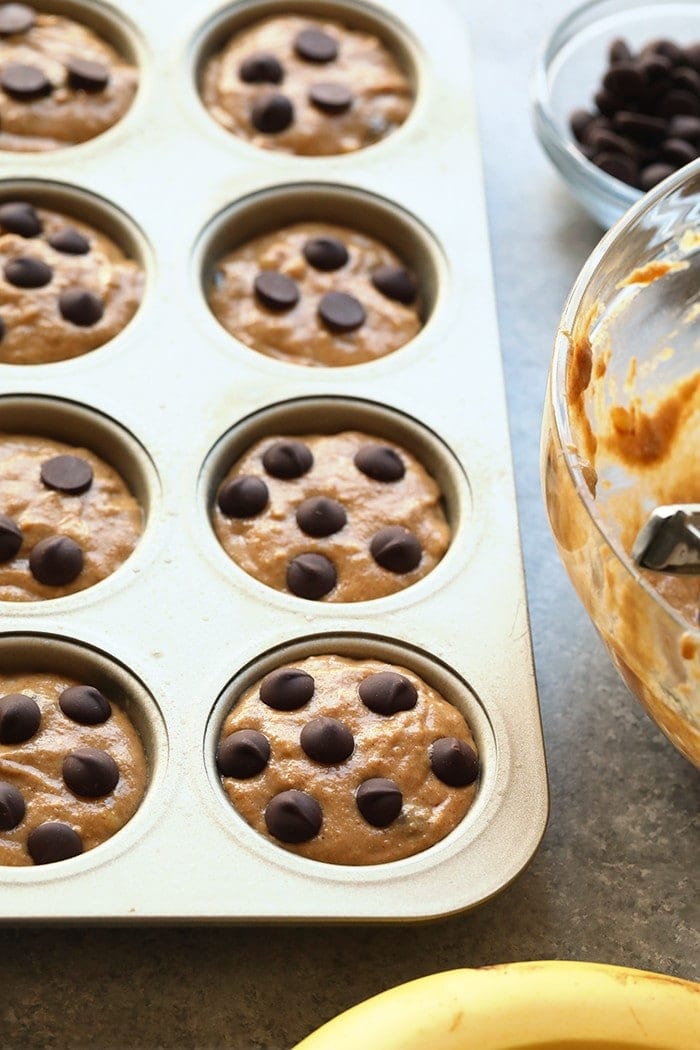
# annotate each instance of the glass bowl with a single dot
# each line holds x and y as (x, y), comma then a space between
(568, 72)
(621, 435)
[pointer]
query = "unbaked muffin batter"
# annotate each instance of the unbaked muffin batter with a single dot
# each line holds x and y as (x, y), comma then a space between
(348, 761)
(342, 517)
(306, 86)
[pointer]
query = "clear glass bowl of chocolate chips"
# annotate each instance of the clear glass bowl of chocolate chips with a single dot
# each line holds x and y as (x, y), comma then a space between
(616, 99)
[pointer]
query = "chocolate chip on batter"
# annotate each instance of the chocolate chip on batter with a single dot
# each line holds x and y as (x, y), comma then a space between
(325, 253)
(15, 18)
(272, 113)
(288, 459)
(293, 816)
(24, 82)
(69, 474)
(85, 704)
(27, 272)
(12, 807)
(80, 307)
(287, 689)
(330, 97)
(243, 754)
(311, 576)
(379, 801)
(387, 692)
(341, 312)
(313, 45)
(87, 75)
(261, 67)
(396, 549)
(395, 283)
(10, 538)
(56, 561)
(69, 241)
(275, 290)
(20, 718)
(53, 841)
(380, 463)
(243, 497)
(20, 217)
(320, 516)
(327, 741)
(90, 773)
(454, 762)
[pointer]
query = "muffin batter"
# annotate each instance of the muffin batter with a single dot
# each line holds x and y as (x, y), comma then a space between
(65, 288)
(348, 761)
(316, 294)
(67, 519)
(341, 517)
(60, 84)
(306, 86)
(72, 768)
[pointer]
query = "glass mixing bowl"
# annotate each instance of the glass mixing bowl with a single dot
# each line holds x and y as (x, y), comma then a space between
(621, 436)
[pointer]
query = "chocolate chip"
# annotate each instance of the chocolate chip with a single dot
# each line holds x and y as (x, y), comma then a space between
(320, 516)
(27, 272)
(56, 561)
(243, 754)
(21, 218)
(15, 18)
(341, 312)
(12, 807)
(685, 126)
(87, 75)
(687, 79)
(287, 689)
(454, 762)
(10, 538)
(69, 241)
(396, 549)
(379, 801)
(395, 283)
(90, 773)
(387, 692)
(331, 98)
(653, 174)
(619, 51)
(85, 704)
(24, 83)
(639, 127)
(20, 718)
(624, 80)
(288, 459)
(325, 253)
(668, 48)
(275, 290)
(617, 165)
(272, 113)
(261, 67)
(678, 101)
(70, 474)
(293, 816)
(579, 122)
(80, 307)
(326, 740)
(243, 497)
(313, 45)
(380, 463)
(678, 152)
(53, 841)
(311, 576)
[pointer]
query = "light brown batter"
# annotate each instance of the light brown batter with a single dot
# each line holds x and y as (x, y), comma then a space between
(395, 747)
(266, 543)
(381, 96)
(68, 113)
(35, 768)
(298, 334)
(105, 520)
(33, 328)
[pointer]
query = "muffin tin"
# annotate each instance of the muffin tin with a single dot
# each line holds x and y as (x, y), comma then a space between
(179, 630)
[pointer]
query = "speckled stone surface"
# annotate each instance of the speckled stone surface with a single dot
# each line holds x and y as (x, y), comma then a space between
(612, 880)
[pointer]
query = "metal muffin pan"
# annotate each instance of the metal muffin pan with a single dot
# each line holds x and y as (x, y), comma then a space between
(184, 625)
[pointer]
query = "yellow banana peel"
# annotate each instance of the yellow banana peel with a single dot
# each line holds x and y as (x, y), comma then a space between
(523, 1006)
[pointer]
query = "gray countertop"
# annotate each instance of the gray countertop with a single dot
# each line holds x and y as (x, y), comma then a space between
(613, 878)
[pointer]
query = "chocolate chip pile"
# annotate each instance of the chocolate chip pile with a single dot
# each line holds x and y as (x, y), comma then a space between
(355, 761)
(646, 123)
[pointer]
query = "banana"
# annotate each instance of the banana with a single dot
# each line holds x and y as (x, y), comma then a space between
(523, 1006)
